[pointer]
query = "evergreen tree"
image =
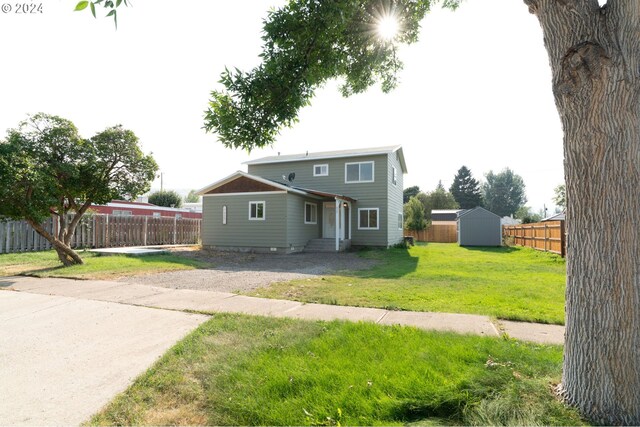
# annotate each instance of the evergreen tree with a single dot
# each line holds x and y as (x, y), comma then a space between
(466, 189)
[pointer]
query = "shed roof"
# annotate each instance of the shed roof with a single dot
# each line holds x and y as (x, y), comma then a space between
(476, 209)
(555, 217)
(333, 155)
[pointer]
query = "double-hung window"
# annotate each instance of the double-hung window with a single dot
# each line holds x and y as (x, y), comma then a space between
(358, 172)
(394, 176)
(310, 213)
(368, 219)
(321, 170)
(256, 211)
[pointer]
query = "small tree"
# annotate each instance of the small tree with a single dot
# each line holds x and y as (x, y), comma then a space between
(192, 197)
(527, 215)
(46, 169)
(466, 189)
(410, 192)
(169, 199)
(560, 196)
(504, 192)
(414, 218)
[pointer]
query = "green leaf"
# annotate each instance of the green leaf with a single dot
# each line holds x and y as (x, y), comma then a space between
(118, 2)
(81, 5)
(113, 12)
(93, 9)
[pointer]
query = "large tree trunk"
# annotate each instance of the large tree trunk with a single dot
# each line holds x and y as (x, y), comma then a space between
(594, 54)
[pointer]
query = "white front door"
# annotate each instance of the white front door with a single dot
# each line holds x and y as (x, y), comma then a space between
(329, 221)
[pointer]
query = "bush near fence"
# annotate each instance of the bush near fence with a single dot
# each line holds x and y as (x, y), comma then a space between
(546, 236)
(436, 233)
(103, 231)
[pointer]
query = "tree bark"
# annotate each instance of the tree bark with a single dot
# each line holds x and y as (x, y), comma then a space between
(594, 54)
(66, 255)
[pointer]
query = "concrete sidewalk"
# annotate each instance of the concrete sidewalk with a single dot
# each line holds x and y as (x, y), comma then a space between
(206, 301)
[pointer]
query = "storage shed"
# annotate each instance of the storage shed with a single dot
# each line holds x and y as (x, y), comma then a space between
(479, 227)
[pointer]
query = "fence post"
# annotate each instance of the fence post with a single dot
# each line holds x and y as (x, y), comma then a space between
(175, 229)
(144, 236)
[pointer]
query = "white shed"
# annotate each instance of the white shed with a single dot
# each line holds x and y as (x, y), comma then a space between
(479, 227)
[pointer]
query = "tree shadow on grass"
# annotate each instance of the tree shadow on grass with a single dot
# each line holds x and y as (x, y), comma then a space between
(393, 263)
(491, 249)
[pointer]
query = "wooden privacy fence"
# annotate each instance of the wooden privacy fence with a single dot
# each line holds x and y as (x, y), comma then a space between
(437, 233)
(104, 231)
(546, 236)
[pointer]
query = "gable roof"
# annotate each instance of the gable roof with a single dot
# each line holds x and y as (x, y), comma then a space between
(358, 152)
(476, 209)
(267, 184)
(554, 217)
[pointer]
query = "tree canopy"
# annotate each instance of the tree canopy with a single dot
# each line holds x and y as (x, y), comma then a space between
(307, 43)
(410, 192)
(504, 192)
(560, 196)
(167, 198)
(192, 197)
(466, 189)
(47, 168)
(414, 218)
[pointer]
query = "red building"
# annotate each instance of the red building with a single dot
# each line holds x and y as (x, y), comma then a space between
(125, 208)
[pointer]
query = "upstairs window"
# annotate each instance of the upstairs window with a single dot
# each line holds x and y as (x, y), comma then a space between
(394, 175)
(321, 170)
(256, 211)
(310, 213)
(400, 221)
(358, 172)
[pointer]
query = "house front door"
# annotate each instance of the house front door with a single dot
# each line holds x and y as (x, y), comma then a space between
(329, 221)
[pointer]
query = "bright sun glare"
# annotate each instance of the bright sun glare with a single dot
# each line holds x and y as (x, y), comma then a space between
(388, 27)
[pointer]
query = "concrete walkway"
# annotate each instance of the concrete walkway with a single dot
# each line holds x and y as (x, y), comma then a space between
(206, 301)
(62, 359)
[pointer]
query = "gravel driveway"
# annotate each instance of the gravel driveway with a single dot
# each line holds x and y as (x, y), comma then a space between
(241, 272)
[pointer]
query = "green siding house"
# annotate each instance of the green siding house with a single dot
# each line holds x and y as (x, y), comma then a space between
(315, 201)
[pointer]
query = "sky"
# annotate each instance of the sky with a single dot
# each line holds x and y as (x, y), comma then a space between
(475, 90)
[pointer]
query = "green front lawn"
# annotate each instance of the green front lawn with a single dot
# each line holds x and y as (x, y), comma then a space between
(241, 370)
(46, 264)
(509, 283)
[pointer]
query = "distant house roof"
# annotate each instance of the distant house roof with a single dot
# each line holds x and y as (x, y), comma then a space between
(444, 214)
(358, 152)
(248, 183)
(556, 217)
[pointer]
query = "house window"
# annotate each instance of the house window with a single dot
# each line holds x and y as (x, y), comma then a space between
(256, 211)
(178, 216)
(394, 177)
(224, 215)
(310, 213)
(358, 172)
(157, 215)
(400, 221)
(320, 170)
(368, 219)
(122, 213)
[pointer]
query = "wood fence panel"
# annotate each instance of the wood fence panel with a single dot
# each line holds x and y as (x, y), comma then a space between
(101, 231)
(546, 236)
(436, 233)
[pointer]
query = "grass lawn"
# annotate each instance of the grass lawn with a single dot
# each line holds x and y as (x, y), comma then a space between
(46, 264)
(508, 283)
(242, 370)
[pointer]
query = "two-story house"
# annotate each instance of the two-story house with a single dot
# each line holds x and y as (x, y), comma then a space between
(329, 200)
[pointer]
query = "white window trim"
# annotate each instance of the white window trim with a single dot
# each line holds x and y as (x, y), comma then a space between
(373, 172)
(401, 223)
(264, 210)
(314, 207)
(369, 228)
(224, 214)
(394, 175)
(321, 165)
